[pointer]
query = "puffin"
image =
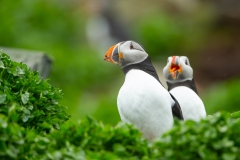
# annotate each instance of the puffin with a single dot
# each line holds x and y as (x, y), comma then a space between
(179, 78)
(142, 100)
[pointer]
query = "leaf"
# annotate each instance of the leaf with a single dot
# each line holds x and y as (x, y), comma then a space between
(25, 97)
(20, 71)
(12, 151)
(45, 125)
(229, 156)
(119, 149)
(38, 113)
(30, 107)
(223, 129)
(235, 114)
(26, 115)
(12, 112)
(25, 118)
(1, 64)
(3, 121)
(2, 98)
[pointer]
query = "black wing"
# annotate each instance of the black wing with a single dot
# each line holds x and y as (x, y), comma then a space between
(176, 109)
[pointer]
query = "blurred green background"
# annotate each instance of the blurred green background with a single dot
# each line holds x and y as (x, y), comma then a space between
(77, 33)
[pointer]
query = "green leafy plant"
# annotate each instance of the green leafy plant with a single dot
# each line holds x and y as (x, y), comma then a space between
(28, 94)
(216, 137)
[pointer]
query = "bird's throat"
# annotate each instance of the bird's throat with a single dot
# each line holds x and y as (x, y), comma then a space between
(188, 83)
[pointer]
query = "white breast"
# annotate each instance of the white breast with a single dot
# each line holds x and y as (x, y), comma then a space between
(144, 102)
(191, 105)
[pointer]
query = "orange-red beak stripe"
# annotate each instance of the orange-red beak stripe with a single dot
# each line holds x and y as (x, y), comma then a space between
(174, 59)
(108, 55)
(174, 69)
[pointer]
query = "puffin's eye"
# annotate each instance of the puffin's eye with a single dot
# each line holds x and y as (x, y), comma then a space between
(186, 62)
(131, 46)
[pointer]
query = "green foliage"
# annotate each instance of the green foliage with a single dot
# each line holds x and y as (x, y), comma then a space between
(236, 114)
(223, 96)
(11, 138)
(216, 137)
(33, 98)
(96, 141)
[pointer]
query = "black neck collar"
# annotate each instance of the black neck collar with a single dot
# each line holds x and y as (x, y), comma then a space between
(145, 66)
(188, 83)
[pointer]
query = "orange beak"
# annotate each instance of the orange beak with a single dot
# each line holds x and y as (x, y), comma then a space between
(109, 53)
(175, 68)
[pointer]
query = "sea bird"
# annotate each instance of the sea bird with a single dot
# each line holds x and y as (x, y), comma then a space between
(142, 99)
(179, 77)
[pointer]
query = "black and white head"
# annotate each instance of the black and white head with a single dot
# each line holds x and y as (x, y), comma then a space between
(126, 53)
(178, 69)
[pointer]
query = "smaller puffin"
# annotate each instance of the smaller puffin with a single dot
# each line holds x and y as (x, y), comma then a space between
(179, 77)
(142, 100)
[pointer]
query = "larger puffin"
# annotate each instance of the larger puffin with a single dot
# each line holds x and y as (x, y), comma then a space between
(179, 76)
(142, 100)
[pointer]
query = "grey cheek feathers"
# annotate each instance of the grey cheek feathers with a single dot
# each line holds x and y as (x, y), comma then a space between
(166, 71)
(124, 63)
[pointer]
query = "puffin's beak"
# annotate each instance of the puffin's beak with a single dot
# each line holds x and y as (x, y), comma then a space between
(175, 68)
(109, 53)
(112, 55)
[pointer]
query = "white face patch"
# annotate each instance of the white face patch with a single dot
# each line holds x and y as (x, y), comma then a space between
(185, 71)
(132, 53)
